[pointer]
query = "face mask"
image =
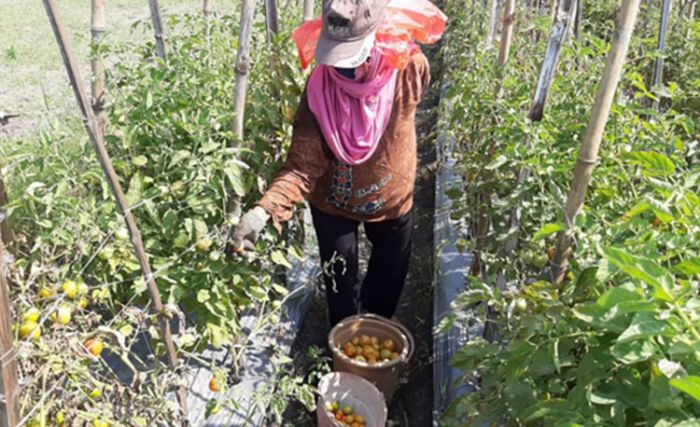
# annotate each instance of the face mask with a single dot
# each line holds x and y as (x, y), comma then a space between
(346, 72)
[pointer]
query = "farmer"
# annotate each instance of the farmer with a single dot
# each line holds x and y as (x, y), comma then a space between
(353, 157)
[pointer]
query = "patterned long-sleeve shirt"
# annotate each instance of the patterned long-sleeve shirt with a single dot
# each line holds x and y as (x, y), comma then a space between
(377, 190)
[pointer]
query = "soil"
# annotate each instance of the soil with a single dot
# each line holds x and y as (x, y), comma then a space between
(413, 401)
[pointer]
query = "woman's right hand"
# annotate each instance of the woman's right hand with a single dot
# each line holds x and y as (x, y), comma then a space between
(248, 230)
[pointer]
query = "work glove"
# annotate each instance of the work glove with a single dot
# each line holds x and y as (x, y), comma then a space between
(248, 229)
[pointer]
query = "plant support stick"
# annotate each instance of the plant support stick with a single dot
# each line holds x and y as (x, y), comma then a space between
(507, 34)
(242, 66)
(588, 155)
(97, 141)
(308, 10)
(493, 22)
(661, 45)
(9, 389)
(97, 28)
(7, 236)
(549, 65)
(157, 28)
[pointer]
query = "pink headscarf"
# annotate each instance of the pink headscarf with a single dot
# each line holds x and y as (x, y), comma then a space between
(353, 114)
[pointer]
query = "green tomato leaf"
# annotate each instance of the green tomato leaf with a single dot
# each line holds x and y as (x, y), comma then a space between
(615, 296)
(643, 269)
(203, 296)
(633, 351)
(652, 163)
(547, 230)
(279, 258)
(688, 267)
(139, 161)
(689, 385)
(644, 325)
(496, 163)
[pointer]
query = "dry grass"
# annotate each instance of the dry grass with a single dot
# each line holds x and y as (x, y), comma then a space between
(33, 82)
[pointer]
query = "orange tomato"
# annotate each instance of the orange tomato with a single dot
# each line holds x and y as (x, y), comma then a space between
(389, 345)
(94, 347)
(214, 385)
(349, 350)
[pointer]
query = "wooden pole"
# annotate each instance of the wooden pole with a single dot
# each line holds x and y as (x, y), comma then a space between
(7, 236)
(551, 58)
(493, 22)
(588, 155)
(97, 141)
(157, 28)
(507, 34)
(661, 46)
(242, 65)
(691, 16)
(9, 390)
(308, 10)
(206, 8)
(578, 19)
(271, 19)
(98, 23)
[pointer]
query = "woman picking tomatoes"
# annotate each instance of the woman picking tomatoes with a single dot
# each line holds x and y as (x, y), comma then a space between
(353, 157)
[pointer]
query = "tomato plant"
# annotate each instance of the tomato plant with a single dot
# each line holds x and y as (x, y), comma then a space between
(618, 343)
(170, 138)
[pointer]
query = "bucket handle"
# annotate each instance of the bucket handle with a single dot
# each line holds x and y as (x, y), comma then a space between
(402, 328)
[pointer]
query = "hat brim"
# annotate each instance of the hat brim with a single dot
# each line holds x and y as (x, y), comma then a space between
(344, 54)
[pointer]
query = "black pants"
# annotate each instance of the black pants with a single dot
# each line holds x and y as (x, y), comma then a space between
(386, 273)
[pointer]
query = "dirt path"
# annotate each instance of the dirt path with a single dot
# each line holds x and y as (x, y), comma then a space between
(413, 402)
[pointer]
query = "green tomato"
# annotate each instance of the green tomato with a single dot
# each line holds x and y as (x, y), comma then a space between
(122, 234)
(539, 261)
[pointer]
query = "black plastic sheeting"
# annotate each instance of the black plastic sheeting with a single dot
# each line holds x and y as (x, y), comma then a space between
(452, 271)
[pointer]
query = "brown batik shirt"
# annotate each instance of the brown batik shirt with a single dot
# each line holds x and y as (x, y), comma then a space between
(379, 189)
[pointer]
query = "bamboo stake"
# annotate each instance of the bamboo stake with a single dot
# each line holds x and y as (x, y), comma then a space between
(242, 66)
(578, 19)
(9, 389)
(98, 23)
(691, 16)
(271, 19)
(157, 28)
(661, 46)
(588, 155)
(551, 58)
(7, 235)
(493, 22)
(507, 34)
(97, 141)
(308, 10)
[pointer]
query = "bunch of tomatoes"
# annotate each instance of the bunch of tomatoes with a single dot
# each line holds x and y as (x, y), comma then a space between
(368, 349)
(345, 415)
(75, 297)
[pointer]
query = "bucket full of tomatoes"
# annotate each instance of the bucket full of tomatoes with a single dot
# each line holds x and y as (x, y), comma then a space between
(373, 347)
(347, 400)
